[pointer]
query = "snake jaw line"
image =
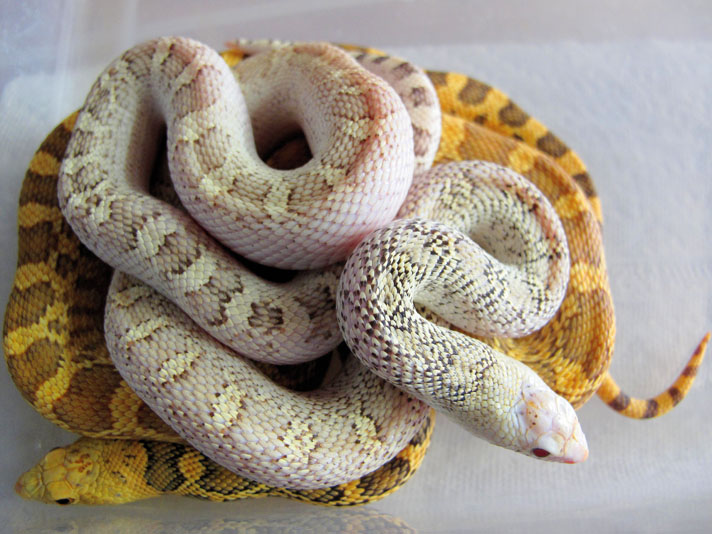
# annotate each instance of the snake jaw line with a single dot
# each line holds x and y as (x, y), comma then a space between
(549, 425)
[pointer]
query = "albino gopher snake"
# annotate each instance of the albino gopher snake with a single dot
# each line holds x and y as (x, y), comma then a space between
(449, 139)
(362, 166)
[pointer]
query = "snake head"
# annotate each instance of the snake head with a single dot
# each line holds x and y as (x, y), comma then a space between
(549, 427)
(47, 481)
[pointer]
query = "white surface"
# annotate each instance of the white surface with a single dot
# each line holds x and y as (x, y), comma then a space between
(628, 87)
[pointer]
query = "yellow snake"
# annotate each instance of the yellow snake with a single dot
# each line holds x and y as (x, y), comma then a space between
(53, 329)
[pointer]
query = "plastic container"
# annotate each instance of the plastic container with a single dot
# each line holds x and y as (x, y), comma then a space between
(626, 87)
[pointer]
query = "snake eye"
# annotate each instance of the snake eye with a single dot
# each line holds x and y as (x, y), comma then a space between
(64, 501)
(540, 453)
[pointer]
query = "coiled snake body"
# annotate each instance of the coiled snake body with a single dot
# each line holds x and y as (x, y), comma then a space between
(577, 377)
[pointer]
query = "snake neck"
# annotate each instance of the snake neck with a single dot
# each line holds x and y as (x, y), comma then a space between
(480, 388)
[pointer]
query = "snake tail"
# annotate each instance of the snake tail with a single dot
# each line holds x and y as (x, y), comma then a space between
(636, 408)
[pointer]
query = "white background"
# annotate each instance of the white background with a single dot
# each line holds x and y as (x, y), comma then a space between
(626, 84)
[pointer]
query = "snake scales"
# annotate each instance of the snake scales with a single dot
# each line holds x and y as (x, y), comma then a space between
(475, 119)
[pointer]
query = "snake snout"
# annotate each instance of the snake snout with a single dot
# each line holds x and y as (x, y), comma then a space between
(550, 426)
(28, 486)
